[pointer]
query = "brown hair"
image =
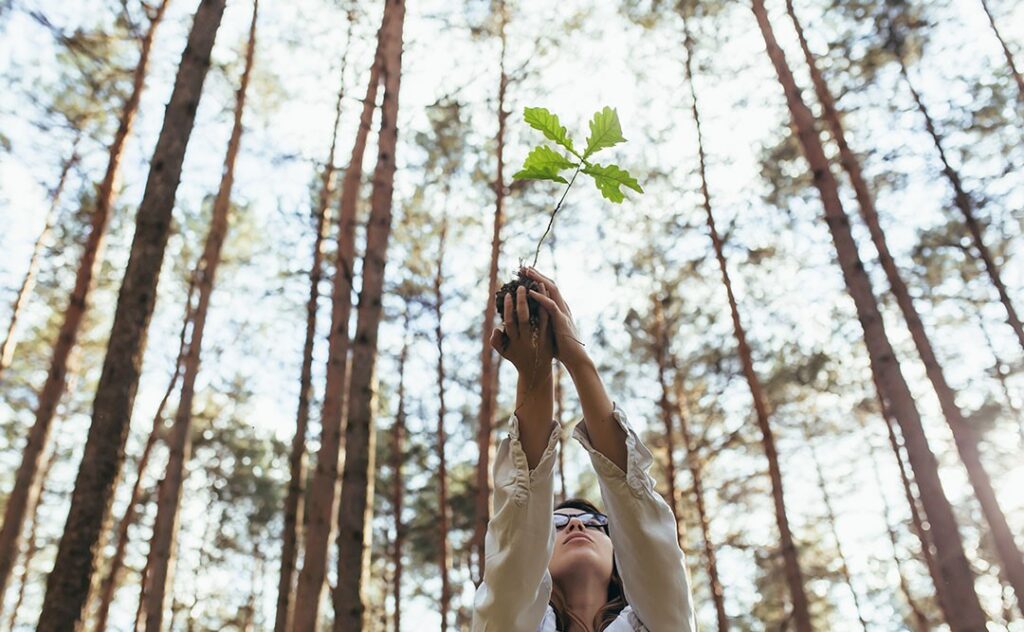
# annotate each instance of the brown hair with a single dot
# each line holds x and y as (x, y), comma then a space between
(616, 599)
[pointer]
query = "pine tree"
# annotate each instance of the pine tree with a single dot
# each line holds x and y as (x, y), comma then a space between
(69, 584)
(1006, 50)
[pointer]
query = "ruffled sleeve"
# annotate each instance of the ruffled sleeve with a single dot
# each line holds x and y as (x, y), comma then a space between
(643, 532)
(516, 587)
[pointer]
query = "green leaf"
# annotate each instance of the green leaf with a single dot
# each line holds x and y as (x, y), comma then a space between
(547, 123)
(609, 180)
(605, 131)
(543, 163)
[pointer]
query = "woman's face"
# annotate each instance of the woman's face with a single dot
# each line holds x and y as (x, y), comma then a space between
(580, 552)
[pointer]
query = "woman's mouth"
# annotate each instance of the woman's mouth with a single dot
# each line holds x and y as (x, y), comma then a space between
(577, 536)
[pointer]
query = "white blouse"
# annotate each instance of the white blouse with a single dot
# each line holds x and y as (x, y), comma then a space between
(516, 587)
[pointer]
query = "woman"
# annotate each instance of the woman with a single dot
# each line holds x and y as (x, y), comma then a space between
(573, 568)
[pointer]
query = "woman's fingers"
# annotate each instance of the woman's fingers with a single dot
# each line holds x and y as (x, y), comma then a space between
(544, 316)
(522, 310)
(511, 326)
(553, 290)
(498, 341)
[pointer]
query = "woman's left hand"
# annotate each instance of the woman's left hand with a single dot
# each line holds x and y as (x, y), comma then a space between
(529, 350)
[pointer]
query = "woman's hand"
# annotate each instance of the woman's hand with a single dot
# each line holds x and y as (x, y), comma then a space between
(529, 350)
(568, 348)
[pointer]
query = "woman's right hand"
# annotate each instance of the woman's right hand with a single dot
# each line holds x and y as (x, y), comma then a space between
(569, 350)
(530, 351)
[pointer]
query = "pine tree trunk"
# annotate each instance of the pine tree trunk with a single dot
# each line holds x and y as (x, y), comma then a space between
(1006, 51)
(830, 513)
(28, 282)
(397, 458)
(966, 206)
(355, 510)
(563, 489)
(963, 434)
(697, 473)
(56, 379)
(442, 468)
(110, 581)
(794, 576)
(488, 366)
(323, 489)
(956, 571)
(69, 583)
(661, 341)
(179, 441)
(921, 623)
(293, 504)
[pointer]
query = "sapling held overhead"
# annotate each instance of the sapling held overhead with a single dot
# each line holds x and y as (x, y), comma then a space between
(547, 163)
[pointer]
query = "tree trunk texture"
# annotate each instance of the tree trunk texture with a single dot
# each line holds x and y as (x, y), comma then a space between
(488, 366)
(661, 342)
(69, 583)
(921, 622)
(956, 572)
(695, 464)
(830, 513)
(162, 547)
(28, 282)
(109, 584)
(1006, 51)
(794, 575)
(397, 458)
(963, 434)
(56, 379)
(442, 468)
(323, 489)
(293, 504)
(356, 507)
(966, 207)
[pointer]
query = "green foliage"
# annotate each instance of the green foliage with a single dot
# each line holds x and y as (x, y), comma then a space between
(610, 179)
(544, 163)
(605, 132)
(547, 123)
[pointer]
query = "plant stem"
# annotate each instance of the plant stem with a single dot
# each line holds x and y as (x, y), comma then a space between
(552, 220)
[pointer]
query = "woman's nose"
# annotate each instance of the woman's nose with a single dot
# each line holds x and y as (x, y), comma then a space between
(577, 523)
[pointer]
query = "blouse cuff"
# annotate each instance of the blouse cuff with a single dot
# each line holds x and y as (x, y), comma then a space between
(523, 478)
(638, 457)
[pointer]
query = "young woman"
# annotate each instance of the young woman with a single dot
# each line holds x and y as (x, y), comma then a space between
(573, 568)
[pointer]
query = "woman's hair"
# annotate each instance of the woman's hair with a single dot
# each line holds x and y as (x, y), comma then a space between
(616, 600)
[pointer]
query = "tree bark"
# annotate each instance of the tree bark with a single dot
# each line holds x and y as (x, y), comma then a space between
(323, 490)
(1006, 51)
(442, 468)
(28, 282)
(966, 207)
(488, 367)
(109, 584)
(355, 510)
(963, 434)
(661, 342)
(794, 575)
(69, 583)
(695, 465)
(955, 569)
(397, 458)
(179, 442)
(293, 504)
(56, 379)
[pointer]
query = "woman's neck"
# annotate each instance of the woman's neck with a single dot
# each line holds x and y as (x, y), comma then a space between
(584, 597)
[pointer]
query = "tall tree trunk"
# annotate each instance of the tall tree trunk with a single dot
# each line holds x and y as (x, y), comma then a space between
(959, 580)
(293, 505)
(110, 581)
(69, 583)
(56, 378)
(921, 623)
(966, 207)
(695, 464)
(563, 489)
(1006, 51)
(397, 458)
(442, 468)
(355, 510)
(661, 342)
(323, 490)
(830, 513)
(963, 434)
(794, 576)
(179, 441)
(488, 367)
(28, 282)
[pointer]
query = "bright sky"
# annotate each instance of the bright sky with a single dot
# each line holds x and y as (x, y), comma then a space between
(604, 62)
